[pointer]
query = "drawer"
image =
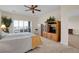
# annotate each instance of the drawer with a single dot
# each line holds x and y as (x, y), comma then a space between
(49, 35)
(54, 37)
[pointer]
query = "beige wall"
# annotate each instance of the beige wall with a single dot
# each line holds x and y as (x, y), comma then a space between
(69, 19)
(74, 24)
(64, 26)
(56, 13)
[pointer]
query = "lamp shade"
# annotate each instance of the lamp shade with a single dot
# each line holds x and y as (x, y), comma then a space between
(3, 26)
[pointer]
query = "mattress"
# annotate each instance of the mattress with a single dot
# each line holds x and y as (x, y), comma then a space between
(16, 43)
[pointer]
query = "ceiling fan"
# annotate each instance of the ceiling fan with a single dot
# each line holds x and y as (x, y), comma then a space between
(32, 8)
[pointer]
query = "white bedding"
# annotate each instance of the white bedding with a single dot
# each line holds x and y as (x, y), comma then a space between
(17, 36)
(16, 43)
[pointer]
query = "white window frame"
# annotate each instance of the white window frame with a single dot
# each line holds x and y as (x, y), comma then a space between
(19, 26)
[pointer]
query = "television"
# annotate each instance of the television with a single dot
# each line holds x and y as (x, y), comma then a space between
(52, 29)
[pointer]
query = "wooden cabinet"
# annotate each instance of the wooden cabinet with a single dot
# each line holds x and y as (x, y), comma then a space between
(53, 31)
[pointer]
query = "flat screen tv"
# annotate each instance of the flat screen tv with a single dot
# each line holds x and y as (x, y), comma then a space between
(52, 29)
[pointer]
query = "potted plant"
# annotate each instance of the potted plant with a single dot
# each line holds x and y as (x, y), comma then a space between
(7, 22)
(50, 19)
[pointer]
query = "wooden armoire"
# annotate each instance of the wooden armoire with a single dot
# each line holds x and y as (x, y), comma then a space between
(53, 31)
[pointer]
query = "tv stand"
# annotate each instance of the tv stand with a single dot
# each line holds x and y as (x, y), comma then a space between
(53, 31)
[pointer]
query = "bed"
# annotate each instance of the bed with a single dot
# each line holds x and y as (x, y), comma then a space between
(19, 42)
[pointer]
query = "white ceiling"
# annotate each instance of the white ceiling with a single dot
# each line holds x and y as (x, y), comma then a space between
(20, 9)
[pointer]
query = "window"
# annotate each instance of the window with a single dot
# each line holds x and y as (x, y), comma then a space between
(16, 27)
(21, 26)
(25, 26)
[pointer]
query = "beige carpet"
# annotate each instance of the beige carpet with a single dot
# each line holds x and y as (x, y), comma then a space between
(74, 41)
(49, 46)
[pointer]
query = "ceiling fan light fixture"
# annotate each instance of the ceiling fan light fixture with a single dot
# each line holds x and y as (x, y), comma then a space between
(32, 8)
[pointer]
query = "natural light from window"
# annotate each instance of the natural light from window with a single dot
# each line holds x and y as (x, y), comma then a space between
(20, 26)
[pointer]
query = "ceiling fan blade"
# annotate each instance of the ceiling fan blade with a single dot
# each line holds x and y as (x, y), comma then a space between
(27, 10)
(37, 10)
(32, 6)
(26, 6)
(32, 11)
(35, 6)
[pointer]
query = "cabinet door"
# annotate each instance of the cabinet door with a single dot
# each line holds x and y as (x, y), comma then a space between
(54, 37)
(49, 36)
